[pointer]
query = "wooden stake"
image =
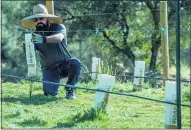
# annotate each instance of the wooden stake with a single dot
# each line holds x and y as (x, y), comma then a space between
(164, 38)
(50, 6)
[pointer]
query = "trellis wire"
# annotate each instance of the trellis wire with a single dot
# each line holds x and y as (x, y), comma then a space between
(146, 77)
(125, 12)
(113, 30)
(99, 90)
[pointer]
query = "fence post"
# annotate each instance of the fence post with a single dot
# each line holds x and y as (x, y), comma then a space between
(106, 82)
(30, 57)
(164, 39)
(139, 70)
(50, 6)
(95, 67)
(170, 110)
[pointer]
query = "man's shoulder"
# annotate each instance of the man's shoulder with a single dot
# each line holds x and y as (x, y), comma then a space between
(58, 27)
(61, 27)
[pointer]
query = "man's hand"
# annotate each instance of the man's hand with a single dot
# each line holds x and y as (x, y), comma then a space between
(37, 39)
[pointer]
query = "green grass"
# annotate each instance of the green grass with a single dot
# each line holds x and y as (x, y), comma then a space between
(19, 111)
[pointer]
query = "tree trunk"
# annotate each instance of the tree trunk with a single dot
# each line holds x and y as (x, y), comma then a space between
(154, 51)
(153, 6)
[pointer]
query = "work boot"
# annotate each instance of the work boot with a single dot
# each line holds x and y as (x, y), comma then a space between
(70, 94)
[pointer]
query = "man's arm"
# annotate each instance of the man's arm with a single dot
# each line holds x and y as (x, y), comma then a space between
(56, 38)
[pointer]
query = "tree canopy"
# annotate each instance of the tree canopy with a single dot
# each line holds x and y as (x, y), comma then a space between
(119, 32)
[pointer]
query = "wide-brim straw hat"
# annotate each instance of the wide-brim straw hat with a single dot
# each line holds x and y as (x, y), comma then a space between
(38, 12)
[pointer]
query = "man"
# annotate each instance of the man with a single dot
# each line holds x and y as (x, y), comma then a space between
(50, 41)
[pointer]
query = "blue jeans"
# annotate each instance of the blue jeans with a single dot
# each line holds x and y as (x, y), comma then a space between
(71, 68)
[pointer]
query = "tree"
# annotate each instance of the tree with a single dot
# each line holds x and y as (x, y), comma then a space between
(110, 19)
(119, 32)
(12, 53)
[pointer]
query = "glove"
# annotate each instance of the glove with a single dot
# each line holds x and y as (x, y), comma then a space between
(38, 39)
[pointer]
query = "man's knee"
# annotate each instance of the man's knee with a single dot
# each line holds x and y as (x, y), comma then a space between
(75, 63)
(50, 89)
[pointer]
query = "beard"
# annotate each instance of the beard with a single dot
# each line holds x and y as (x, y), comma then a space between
(42, 27)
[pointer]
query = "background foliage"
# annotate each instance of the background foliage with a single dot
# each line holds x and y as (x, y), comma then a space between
(117, 38)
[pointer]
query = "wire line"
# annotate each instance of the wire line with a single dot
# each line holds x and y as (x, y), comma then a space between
(99, 90)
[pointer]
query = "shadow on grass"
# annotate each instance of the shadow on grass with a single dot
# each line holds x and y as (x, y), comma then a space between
(13, 115)
(35, 99)
(87, 115)
(34, 121)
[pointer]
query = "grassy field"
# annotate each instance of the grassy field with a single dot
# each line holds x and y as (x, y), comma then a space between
(19, 111)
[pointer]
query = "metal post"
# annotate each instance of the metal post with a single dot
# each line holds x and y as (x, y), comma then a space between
(31, 88)
(190, 63)
(164, 39)
(178, 88)
(50, 6)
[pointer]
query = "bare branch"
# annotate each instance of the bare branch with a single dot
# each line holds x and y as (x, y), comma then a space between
(125, 28)
(111, 41)
(126, 50)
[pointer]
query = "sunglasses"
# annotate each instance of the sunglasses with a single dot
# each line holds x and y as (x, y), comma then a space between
(36, 19)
